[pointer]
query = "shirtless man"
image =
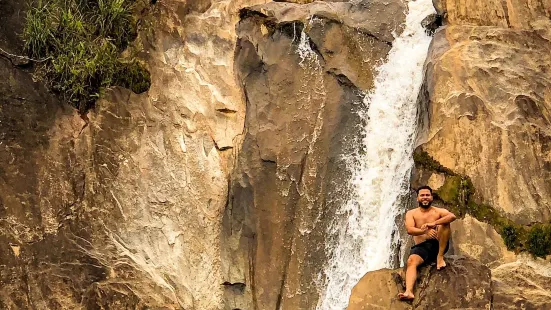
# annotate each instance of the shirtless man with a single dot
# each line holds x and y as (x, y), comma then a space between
(430, 228)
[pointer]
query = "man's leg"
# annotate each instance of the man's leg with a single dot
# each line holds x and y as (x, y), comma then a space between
(444, 232)
(413, 262)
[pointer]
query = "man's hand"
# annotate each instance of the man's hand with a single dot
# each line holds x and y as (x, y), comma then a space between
(431, 234)
(428, 225)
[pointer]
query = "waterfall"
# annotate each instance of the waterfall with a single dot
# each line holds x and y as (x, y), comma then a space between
(365, 230)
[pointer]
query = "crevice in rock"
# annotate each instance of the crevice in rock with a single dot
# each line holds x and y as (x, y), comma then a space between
(342, 79)
(290, 29)
(314, 47)
(248, 12)
(226, 110)
(431, 23)
(27, 287)
(506, 12)
(290, 233)
(302, 168)
(221, 148)
(252, 255)
(268, 160)
(237, 286)
(491, 295)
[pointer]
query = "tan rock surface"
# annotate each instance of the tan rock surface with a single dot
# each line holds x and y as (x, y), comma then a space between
(490, 116)
(518, 14)
(131, 206)
(123, 210)
(485, 113)
(521, 286)
(479, 241)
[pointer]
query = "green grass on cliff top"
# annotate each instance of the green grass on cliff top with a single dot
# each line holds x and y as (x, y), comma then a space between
(81, 42)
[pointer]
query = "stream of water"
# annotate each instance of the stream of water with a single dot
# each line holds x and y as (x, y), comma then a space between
(365, 234)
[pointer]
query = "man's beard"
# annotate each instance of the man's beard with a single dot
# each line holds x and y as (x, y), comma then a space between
(429, 203)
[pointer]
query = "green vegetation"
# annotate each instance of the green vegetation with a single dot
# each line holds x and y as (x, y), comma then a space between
(423, 159)
(510, 234)
(80, 43)
(459, 196)
(539, 240)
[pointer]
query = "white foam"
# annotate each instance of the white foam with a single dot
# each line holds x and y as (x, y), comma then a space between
(365, 232)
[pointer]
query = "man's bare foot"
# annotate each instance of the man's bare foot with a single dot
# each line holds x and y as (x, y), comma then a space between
(440, 263)
(406, 296)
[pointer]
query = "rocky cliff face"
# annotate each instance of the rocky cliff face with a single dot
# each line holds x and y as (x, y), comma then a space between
(181, 197)
(123, 208)
(214, 189)
(304, 69)
(489, 102)
(486, 101)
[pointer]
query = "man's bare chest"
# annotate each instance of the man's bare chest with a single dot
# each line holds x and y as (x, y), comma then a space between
(424, 218)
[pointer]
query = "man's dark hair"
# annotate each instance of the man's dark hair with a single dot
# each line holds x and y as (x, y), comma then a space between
(424, 187)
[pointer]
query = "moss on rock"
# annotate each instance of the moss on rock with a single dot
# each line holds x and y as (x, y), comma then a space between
(459, 195)
(423, 159)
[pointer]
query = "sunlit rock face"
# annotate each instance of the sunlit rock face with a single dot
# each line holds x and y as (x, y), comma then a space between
(161, 160)
(209, 190)
(489, 101)
(122, 208)
(487, 104)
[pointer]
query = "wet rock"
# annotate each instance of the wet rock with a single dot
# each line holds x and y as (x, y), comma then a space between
(431, 23)
(304, 69)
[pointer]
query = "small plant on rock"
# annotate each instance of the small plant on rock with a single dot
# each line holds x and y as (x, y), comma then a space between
(80, 44)
(510, 234)
(539, 240)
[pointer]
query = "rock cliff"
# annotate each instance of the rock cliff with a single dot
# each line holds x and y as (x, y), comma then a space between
(214, 189)
(487, 88)
(122, 208)
(180, 197)
(485, 127)
(290, 169)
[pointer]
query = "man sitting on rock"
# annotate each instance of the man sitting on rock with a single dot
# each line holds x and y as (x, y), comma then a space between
(430, 228)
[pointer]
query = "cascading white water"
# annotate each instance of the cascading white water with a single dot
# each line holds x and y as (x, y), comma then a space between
(364, 235)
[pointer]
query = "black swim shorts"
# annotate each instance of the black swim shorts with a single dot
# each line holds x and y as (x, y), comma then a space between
(428, 250)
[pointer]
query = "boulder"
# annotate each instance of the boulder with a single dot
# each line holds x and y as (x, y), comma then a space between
(464, 284)
(480, 241)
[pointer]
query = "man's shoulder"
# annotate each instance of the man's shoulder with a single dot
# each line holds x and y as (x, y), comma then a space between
(412, 211)
(439, 209)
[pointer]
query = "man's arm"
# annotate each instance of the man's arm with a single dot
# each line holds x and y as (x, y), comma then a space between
(410, 226)
(446, 217)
